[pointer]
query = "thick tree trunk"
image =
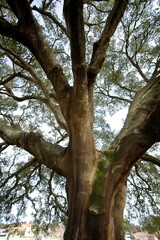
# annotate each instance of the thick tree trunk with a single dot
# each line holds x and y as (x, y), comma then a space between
(79, 184)
(95, 209)
(95, 181)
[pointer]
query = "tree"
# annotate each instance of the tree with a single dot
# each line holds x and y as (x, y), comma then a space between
(130, 227)
(59, 87)
(151, 225)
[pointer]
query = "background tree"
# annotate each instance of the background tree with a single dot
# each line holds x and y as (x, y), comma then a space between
(130, 227)
(151, 225)
(59, 75)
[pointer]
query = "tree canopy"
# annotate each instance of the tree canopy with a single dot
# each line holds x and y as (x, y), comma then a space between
(44, 51)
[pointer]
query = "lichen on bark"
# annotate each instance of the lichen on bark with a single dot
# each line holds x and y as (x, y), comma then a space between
(97, 195)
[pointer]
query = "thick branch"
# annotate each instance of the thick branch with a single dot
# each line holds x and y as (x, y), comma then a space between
(141, 130)
(51, 155)
(73, 13)
(9, 30)
(22, 10)
(8, 79)
(100, 47)
(140, 108)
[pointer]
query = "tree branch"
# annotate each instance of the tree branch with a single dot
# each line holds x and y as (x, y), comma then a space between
(141, 129)
(9, 78)
(19, 7)
(51, 155)
(156, 72)
(134, 63)
(147, 157)
(142, 178)
(3, 146)
(15, 174)
(100, 47)
(50, 16)
(73, 13)
(10, 93)
(106, 93)
(140, 108)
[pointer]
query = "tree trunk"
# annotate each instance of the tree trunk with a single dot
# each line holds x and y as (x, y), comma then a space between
(95, 201)
(95, 183)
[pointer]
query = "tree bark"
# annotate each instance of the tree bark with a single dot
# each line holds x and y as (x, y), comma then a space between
(95, 211)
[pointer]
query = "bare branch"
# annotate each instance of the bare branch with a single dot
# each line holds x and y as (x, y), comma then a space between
(135, 63)
(15, 174)
(3, 146)
(50, 16)
(147, 157)
(156, 72)
(9, 93)
(9, 78)
(142, 178)
(106, 93)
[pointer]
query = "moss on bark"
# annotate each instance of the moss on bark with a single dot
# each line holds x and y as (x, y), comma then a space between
(98, 186)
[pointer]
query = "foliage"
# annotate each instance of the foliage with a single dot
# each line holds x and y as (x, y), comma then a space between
(130, 227)
(146, 190)
(151, 225)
